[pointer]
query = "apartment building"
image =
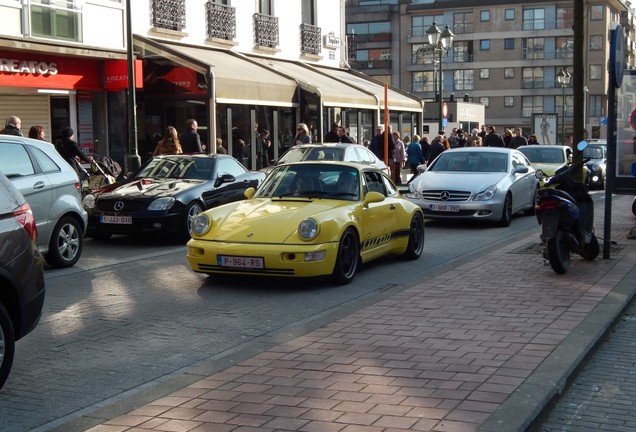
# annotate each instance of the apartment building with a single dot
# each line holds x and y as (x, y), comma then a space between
(506, 55)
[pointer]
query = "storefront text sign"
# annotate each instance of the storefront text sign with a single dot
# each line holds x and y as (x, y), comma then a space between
(116, 74)
(33, 67)
(331, 41)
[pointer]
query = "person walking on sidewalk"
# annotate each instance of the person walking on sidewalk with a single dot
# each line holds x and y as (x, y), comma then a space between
(190, 140)
(399, 157)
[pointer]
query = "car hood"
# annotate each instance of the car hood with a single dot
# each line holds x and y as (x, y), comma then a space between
(263, 220)
(149, 188)
(467, 181)
(548, 168)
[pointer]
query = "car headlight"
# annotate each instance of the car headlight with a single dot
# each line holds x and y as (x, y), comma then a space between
(486, 195)
(163, 203)
(539, 174)
(201, 224)
(88, 202)
(308, 229)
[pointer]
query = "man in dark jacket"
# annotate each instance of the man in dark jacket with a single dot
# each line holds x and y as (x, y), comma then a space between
(518, 140)
(377, 144)
(492, 138)
(190, 140)
(69, 149)
(332, 135)
(12, 126)
(437, 148)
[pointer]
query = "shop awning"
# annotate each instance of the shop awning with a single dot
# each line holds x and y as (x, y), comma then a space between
(333, 93)
(236, 79)
(398, 100)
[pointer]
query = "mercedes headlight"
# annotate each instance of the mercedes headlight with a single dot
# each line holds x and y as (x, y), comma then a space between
(163, 203)
(308, 229)
(201, 224)
(486, 195)
(88, 202)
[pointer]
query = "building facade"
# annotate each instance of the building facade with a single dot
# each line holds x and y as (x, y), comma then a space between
(506, 55)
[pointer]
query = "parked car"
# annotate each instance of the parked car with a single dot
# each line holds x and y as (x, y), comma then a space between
(308, 219)
(52, 189)
(479, 183)
(330, 152)
(547, 158)
(21, 273)
(166, 193)
(597, 165)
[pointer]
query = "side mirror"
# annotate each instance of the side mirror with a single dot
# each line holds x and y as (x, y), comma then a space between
(249, 192)
(520, 169)
(373, 197)
(225, 178)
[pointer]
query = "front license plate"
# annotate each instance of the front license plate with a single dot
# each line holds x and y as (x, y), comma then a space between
(443, 208)
(240, 262)
(124, 220)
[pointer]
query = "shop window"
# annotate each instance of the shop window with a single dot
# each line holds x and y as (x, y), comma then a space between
(168, 14)
(56, 20)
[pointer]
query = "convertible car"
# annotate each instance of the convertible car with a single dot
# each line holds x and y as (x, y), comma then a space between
(308, 219)
(547, 158)
(479, 183)
(166, 193)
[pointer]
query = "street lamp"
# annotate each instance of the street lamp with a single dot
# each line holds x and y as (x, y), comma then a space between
(563, 78)
(441, 42)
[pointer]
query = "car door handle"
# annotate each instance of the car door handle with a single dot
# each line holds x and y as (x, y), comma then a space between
(39, 185)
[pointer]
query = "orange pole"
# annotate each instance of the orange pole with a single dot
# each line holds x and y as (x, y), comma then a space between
(386, 125)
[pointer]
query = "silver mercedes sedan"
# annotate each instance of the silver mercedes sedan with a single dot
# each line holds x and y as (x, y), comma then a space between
(487, 183)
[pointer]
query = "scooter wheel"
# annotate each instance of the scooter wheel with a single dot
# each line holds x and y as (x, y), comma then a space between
(592, 250)
(559, 252)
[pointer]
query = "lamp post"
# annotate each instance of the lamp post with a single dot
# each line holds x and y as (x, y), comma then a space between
(441, 42)
(563, 78)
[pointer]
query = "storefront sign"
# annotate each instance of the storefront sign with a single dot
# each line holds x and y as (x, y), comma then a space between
(35, 70)
(116, 75)
(331, 41)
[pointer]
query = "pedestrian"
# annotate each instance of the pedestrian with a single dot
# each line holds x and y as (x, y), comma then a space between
(461, 138)
(473, 140)
(482, 133)
(437, 148)
(377, 143)
(302, 134)
(37, 132)
(414, 155)
(532, 139)
(263, 143)
(190, 140)
(70, 150)
(492, 139)
(342, 136)
(399, 157)
(169, 144)
(219, 147)
(452, 140)
(518, 140)
(12, 126)
(366, 143)
(332, 136)
(507, 138)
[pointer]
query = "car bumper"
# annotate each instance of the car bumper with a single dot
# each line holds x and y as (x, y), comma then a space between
(478, 210)
(141, 224)
(277, 260)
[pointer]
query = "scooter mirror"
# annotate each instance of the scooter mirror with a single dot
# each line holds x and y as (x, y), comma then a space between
(582, 145)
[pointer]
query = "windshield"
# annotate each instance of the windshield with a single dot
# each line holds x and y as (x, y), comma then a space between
(177, 168)
(593, 152)
(299, 154)
(478, 162)
(544, 155)
(312, 181)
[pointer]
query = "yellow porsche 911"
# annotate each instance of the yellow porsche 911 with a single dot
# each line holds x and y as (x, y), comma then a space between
(308, 219)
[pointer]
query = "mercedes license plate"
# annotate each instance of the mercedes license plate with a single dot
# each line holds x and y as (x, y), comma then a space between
(240, 262)
(124, 220)
(444, 207)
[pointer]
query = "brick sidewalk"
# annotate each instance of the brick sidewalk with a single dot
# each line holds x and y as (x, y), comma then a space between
(458, 352)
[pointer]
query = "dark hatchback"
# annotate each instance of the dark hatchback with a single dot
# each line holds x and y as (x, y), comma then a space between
(166, 193)
(597, 165)
(21, 273)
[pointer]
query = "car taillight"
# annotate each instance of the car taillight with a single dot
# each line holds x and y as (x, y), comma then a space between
(78, 186)
(548, 204)
(24, 215)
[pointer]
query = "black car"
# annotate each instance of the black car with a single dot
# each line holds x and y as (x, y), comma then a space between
(597, 152)
(21, 273)
(166, 193)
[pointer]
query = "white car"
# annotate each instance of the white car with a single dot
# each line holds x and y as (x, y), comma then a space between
(480, 183)
(52, 189)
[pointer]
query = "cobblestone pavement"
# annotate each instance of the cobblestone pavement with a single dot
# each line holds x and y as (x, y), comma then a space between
(485, 346)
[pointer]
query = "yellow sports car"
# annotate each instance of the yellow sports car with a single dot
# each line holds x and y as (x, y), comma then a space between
(308, 219)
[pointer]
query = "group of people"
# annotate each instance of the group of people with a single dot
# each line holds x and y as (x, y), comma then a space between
(172, 143)
(67, 147)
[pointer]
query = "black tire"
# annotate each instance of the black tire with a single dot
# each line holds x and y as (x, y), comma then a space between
(66, 244)
(348, 258)
(591, 251)
(7, 344)
(416, 238)
(559, 252)
(194, 208)
(506, 213)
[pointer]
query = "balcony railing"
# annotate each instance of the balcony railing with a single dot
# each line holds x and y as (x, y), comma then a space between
(221, 21)
(431, 58)
(310, 39)
(168, 14)
(265, 30)
(527, 54)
